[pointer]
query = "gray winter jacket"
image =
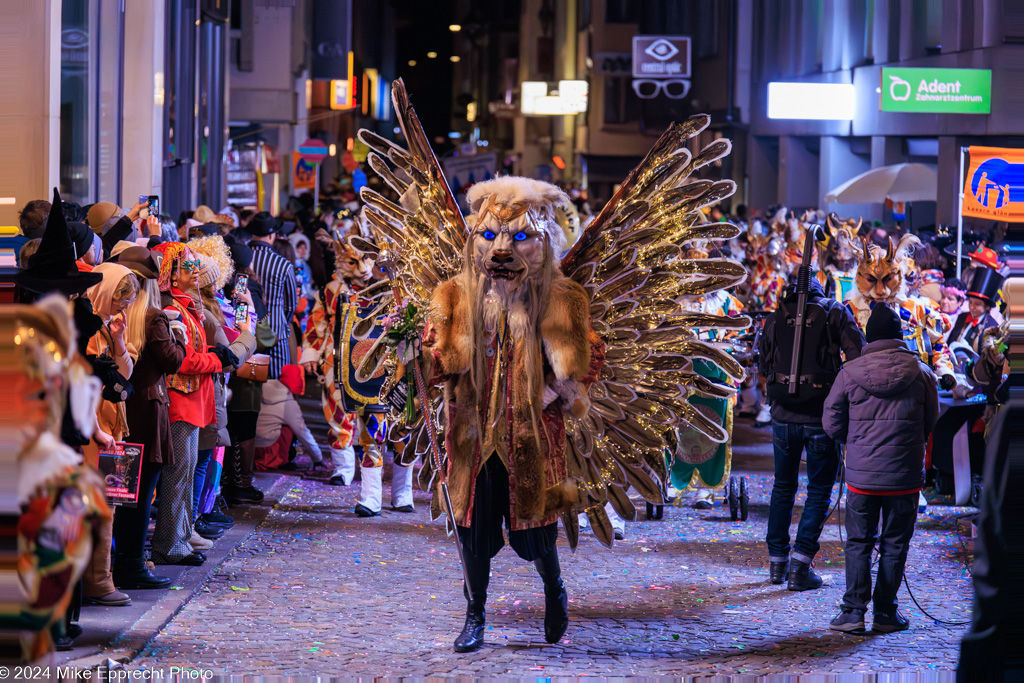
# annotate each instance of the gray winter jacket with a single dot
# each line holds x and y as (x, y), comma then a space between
(883, 406)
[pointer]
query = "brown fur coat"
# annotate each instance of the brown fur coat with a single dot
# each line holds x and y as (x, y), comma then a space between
(540, 489)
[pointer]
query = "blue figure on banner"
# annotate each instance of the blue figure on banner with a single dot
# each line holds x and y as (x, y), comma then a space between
(993, 181)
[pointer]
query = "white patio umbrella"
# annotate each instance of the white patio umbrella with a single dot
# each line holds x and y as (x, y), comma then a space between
(899, 182)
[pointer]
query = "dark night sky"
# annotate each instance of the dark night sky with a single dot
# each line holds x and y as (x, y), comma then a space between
(422, 27)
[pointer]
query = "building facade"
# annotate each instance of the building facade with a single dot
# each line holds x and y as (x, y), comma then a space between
(796, 162)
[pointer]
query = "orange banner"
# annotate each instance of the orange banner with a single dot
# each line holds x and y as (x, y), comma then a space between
(994, 186)
(303, 173)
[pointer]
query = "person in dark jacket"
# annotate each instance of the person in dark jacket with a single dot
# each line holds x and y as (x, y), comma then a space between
(157, 353)
(796, 425)
(883, 406)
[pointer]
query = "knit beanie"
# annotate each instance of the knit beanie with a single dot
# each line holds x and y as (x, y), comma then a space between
(209, 271)
(294, 377)
(884, 323)
(241, 254)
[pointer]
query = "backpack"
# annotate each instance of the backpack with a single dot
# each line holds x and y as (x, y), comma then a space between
(820, 360)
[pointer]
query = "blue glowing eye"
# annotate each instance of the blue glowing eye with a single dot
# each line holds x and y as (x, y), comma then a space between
(489, 235)
(520, 236)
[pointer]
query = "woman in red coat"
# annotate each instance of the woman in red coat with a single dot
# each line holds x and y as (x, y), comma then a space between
(191, 407)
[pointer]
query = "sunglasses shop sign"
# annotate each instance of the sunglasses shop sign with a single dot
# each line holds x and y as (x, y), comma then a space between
(661, 66)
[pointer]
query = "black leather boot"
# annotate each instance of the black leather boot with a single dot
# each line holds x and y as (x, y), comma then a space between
(802, 577)
(556, 600)
(779, 571)
(472, 636)
(131, 573)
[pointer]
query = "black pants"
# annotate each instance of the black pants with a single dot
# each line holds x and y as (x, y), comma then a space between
(898, 515)
(130, 524)
(483, 540)
(491, 509)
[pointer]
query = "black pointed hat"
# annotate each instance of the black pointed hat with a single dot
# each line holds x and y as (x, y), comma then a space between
(52, 268)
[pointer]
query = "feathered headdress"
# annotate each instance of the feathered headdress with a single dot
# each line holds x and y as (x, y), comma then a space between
(173, 255)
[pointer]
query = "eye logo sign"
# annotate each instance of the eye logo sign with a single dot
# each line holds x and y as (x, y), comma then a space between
(937, 91)
(662, 50)
(661, 66)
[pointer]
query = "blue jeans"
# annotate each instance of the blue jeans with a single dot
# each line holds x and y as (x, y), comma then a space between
(202, 465)
(789, 440)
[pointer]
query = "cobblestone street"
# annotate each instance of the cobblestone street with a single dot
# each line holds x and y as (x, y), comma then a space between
(316, 590)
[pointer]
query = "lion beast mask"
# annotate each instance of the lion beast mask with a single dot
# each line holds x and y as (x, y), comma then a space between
(841, 247)
(880, 272)
(515, 229)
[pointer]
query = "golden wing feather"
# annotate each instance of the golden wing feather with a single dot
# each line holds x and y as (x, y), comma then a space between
(631, 261)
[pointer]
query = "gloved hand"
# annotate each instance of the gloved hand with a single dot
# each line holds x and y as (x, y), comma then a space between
(228, 359)
(947, 382)
(115, 387)
(550, 396)
(179, 330)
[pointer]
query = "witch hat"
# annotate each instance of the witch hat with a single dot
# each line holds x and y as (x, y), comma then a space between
(52, 268)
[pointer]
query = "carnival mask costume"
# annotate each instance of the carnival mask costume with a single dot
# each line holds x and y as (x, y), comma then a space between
(839, 257)
(560, 377)
(60, 500)
(352, 408)
(881, 279)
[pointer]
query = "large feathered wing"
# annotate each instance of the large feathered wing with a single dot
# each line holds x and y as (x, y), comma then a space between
(419, 240)
(630, 260)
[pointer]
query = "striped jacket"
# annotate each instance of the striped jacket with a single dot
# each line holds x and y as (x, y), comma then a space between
(281, 296)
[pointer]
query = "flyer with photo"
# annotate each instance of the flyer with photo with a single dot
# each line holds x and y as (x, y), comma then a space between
(121, 467)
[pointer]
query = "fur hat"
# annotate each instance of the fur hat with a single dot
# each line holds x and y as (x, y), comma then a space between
(509, 190)
(214, 247)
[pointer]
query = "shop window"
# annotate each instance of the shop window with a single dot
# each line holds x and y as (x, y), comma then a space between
(91, 100)
(621, 105)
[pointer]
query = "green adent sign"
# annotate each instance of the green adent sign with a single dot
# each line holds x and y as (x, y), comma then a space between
(937, 91)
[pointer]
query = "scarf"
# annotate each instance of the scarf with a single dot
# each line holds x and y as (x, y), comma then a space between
(186, 306)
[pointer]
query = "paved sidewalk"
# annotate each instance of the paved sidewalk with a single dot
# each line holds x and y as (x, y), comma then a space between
(119, 633)
(317, 590)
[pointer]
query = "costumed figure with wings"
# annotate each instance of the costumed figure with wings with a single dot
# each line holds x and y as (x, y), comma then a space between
(559, 378)
(351, 407)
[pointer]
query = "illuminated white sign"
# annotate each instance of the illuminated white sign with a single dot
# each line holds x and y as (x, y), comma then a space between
(571, 98)
(819, 101)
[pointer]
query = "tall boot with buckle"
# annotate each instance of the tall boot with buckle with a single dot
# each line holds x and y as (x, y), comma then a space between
(556, 600)
(472, 636)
